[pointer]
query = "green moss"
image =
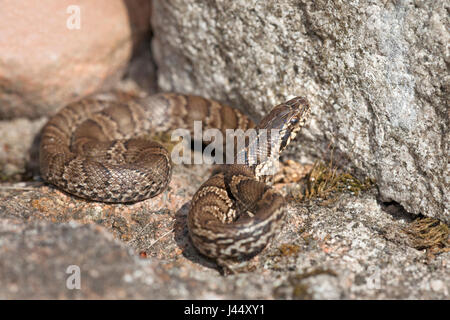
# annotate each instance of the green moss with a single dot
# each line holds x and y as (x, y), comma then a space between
(287, 249)
(324, 182)
(429, 233)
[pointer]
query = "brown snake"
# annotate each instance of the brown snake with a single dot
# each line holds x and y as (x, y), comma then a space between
(98, 149)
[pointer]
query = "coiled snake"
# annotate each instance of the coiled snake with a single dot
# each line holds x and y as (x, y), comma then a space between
(97, 149)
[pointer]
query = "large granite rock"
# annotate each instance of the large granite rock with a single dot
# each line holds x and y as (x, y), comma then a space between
(374, 71)
(353, 248)
(46, 61)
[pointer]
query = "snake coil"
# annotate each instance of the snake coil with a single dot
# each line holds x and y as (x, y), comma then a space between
(97, 149)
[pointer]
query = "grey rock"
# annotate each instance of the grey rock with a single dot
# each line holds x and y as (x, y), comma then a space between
(40, 260)
(351, 249)
(374, 71)
(19, 147)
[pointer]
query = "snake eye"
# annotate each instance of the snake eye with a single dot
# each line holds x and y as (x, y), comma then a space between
(294, 121)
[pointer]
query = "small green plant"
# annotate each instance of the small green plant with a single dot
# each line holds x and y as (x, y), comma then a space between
(429, 233)
(325, 182)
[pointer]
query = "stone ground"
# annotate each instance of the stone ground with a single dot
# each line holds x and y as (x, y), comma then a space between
(353, 248)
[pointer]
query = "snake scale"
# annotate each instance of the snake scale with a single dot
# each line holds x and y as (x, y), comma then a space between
(98, 149)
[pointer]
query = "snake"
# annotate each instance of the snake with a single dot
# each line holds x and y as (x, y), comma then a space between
(100, 148)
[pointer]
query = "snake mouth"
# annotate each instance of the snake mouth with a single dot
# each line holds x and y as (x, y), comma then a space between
(285, 139)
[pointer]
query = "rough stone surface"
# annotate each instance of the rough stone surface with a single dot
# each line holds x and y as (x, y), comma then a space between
(374, 71)
(18, 147)
(44, 64)
(353, 248)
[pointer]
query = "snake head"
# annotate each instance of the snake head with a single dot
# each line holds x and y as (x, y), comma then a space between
(288, 118)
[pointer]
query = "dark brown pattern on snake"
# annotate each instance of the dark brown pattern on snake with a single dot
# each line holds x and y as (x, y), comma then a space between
(98, 149)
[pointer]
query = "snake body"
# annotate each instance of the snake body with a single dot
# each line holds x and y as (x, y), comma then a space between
(98, 149)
